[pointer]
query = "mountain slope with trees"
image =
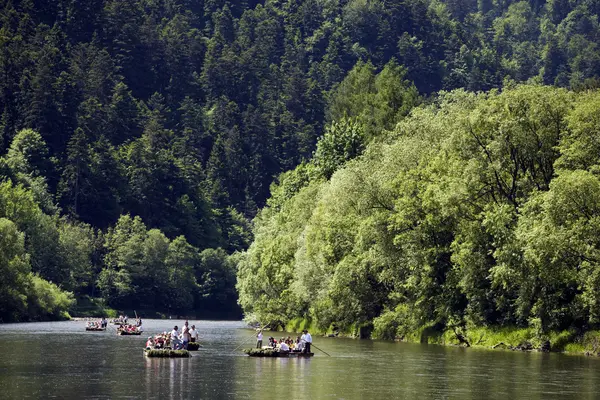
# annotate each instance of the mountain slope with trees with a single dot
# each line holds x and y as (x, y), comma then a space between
(158, 126)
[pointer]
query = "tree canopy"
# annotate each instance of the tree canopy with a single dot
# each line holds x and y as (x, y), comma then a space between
(143, 137)
(473, 210)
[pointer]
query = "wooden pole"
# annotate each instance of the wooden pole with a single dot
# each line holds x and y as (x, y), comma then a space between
(253, 336)
(312, 345)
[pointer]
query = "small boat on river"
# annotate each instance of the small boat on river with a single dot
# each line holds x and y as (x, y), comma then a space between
(270, 352)
(167, 353)
(126, 330)
(95, 326)
(94, 329)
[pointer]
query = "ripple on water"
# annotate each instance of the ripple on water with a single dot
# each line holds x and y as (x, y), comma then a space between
(61, 360)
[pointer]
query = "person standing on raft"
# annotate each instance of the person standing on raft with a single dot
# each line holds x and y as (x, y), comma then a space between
(185, 335)
(259, 336)
(175, 342)
(193, 334)
(306, 338)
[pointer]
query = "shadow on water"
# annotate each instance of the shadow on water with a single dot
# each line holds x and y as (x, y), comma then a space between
(61, 360)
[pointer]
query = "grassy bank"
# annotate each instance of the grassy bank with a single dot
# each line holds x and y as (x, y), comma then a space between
(569, 341)
(504, 338)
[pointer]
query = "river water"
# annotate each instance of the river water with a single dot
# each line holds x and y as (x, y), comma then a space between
(61, 360)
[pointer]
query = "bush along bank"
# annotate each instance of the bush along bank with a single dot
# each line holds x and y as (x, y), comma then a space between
(569, 341)
(508, 338)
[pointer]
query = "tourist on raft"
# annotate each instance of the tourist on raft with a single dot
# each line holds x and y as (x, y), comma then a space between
(306, 338)
(185, 335)
(259, 337)
(129, 328)
(94, 324)
(159, 341)
(175, 341)
(299, 345)
(283, 346)
(193, 334)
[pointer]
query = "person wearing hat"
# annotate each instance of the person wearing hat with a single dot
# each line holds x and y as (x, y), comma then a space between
(259, 337)
(149, 343)
(306, 339)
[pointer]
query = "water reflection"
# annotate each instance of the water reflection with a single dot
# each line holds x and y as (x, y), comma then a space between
(61, 360)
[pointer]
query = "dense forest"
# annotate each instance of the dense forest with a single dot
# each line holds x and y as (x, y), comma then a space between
(139, 139)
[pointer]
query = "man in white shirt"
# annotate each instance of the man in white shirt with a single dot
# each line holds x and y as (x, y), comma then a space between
(259, 337)
(307, 340)
(193, 334)
(283, 346)
(175, 342)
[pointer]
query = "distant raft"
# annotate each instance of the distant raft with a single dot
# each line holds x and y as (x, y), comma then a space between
(167, 353)
(276, 353)
(92, 329)
(128, 330)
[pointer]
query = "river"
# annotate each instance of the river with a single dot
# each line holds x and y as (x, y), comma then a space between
(62, 360)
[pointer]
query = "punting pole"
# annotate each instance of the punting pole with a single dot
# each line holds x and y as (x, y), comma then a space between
(312, 345)
(253, 336)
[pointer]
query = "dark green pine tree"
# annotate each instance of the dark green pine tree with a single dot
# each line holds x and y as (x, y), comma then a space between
(122, 115)
(41, 106)
(75, 183)
(91, 185)
(226, 167)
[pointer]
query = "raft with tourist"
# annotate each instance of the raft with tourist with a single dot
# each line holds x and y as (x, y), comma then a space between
(128, 330)
(274, 352)
(177, 343)
(285, 347)
(122, 320)
(96, 326)
(167, 353)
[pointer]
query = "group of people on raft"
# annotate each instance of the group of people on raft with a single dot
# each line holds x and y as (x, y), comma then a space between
(122, 320)
(131, 328)
(300, 345)
(98, 324)
(176, 339)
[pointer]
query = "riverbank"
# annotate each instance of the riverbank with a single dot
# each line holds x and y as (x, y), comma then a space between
(510, 338)
(493, 338)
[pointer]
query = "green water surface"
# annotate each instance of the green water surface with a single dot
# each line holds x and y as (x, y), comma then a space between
(61, 360)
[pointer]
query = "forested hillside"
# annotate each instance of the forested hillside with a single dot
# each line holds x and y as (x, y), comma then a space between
(139, 138)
